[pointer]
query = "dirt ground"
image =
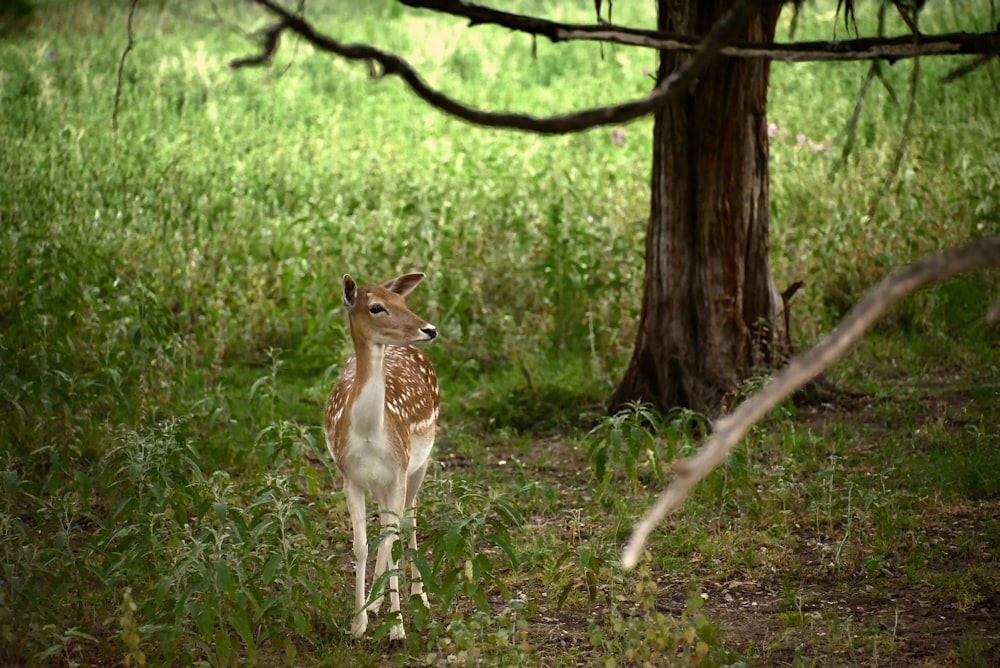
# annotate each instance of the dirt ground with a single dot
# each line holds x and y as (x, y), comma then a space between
(892, 622)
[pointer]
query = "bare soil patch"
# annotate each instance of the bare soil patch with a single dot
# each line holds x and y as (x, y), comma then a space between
(809, 612)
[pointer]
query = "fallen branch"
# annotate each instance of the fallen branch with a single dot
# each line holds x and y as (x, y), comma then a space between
(800, 370)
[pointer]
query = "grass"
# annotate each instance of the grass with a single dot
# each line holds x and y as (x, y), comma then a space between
(170, 325)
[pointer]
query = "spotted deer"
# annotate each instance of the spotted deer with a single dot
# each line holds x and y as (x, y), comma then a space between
(380, 421)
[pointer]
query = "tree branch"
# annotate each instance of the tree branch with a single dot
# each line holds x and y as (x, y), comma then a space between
(704, 51)
(666, 90)
(799, 371)
(904, 137)
(871, 48)
(121, 71)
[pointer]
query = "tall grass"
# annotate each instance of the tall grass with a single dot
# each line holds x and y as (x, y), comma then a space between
(171, 324)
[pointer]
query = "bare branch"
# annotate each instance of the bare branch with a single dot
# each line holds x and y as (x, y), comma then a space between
(850, 132)
(874, 71)
(704, 50)
(904, 137)
(666, 90)
(874, 48)
(121, 71)
(272, 35)
(969, 67)
(800, 370)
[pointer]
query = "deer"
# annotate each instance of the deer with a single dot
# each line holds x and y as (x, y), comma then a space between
(380, 420)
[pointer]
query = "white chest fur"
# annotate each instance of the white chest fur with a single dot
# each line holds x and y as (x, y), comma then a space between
(370, 458)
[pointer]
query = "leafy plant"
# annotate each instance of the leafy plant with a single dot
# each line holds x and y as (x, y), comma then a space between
(624, 441)
(468, 546)
(650, 637)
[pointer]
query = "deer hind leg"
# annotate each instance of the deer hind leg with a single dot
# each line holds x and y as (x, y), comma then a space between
(356, 508)
(413, 482)
(381, 556)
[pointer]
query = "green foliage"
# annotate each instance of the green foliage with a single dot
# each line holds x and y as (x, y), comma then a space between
(649, 637)
(206, 565)
(469, 549)
(622, 440)
(170, 325)
(639, 442)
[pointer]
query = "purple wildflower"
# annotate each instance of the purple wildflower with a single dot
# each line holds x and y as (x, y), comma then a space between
(617, 136)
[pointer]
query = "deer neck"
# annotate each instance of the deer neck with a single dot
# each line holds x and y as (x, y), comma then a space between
(368, 410)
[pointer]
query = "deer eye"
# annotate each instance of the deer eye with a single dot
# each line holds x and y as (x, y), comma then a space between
(375, 309)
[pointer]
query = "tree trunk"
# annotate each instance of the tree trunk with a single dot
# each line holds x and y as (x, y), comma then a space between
(711, 312)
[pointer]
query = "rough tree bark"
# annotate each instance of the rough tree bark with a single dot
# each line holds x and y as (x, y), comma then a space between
(711, 311)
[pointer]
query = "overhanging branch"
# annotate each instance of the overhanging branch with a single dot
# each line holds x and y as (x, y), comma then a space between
(799, 371)
(666, 90)
(870, 48)
(717, 42)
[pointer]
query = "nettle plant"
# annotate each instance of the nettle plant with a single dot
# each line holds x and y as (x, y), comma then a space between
(211, 566)
(647, 636)
(638, 442)
(468, 550)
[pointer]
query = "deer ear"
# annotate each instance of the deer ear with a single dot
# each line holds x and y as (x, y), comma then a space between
(350, 295)
(403, 285)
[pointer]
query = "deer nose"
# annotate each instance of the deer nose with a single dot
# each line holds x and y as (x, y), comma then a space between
(430, 331)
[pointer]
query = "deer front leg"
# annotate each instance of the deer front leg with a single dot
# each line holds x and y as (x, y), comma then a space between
(356, 508)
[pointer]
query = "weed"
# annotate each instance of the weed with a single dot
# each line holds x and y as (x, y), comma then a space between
(169, 328)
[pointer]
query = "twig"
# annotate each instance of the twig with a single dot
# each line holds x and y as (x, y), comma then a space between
(874, 71)
(666, 90)
(968, 68)
(904, 137)
(222, 21)
(121, 72)
(301, 12)
(800, 370)
(850, 132)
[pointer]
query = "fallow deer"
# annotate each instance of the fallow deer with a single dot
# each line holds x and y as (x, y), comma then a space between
(380, 421)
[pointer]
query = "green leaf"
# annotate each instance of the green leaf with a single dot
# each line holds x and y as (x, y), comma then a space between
(503, 542)
(238, 620)
(204, 617)
(270, 568)
(223, 646)
(601, 465)
(563, 595)
(299, 622)
(10, 481)
(259, 530)
(303, 516)
(478, 596)
(511, 514)
(221, 510)
(162, 587)
(224, 576)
